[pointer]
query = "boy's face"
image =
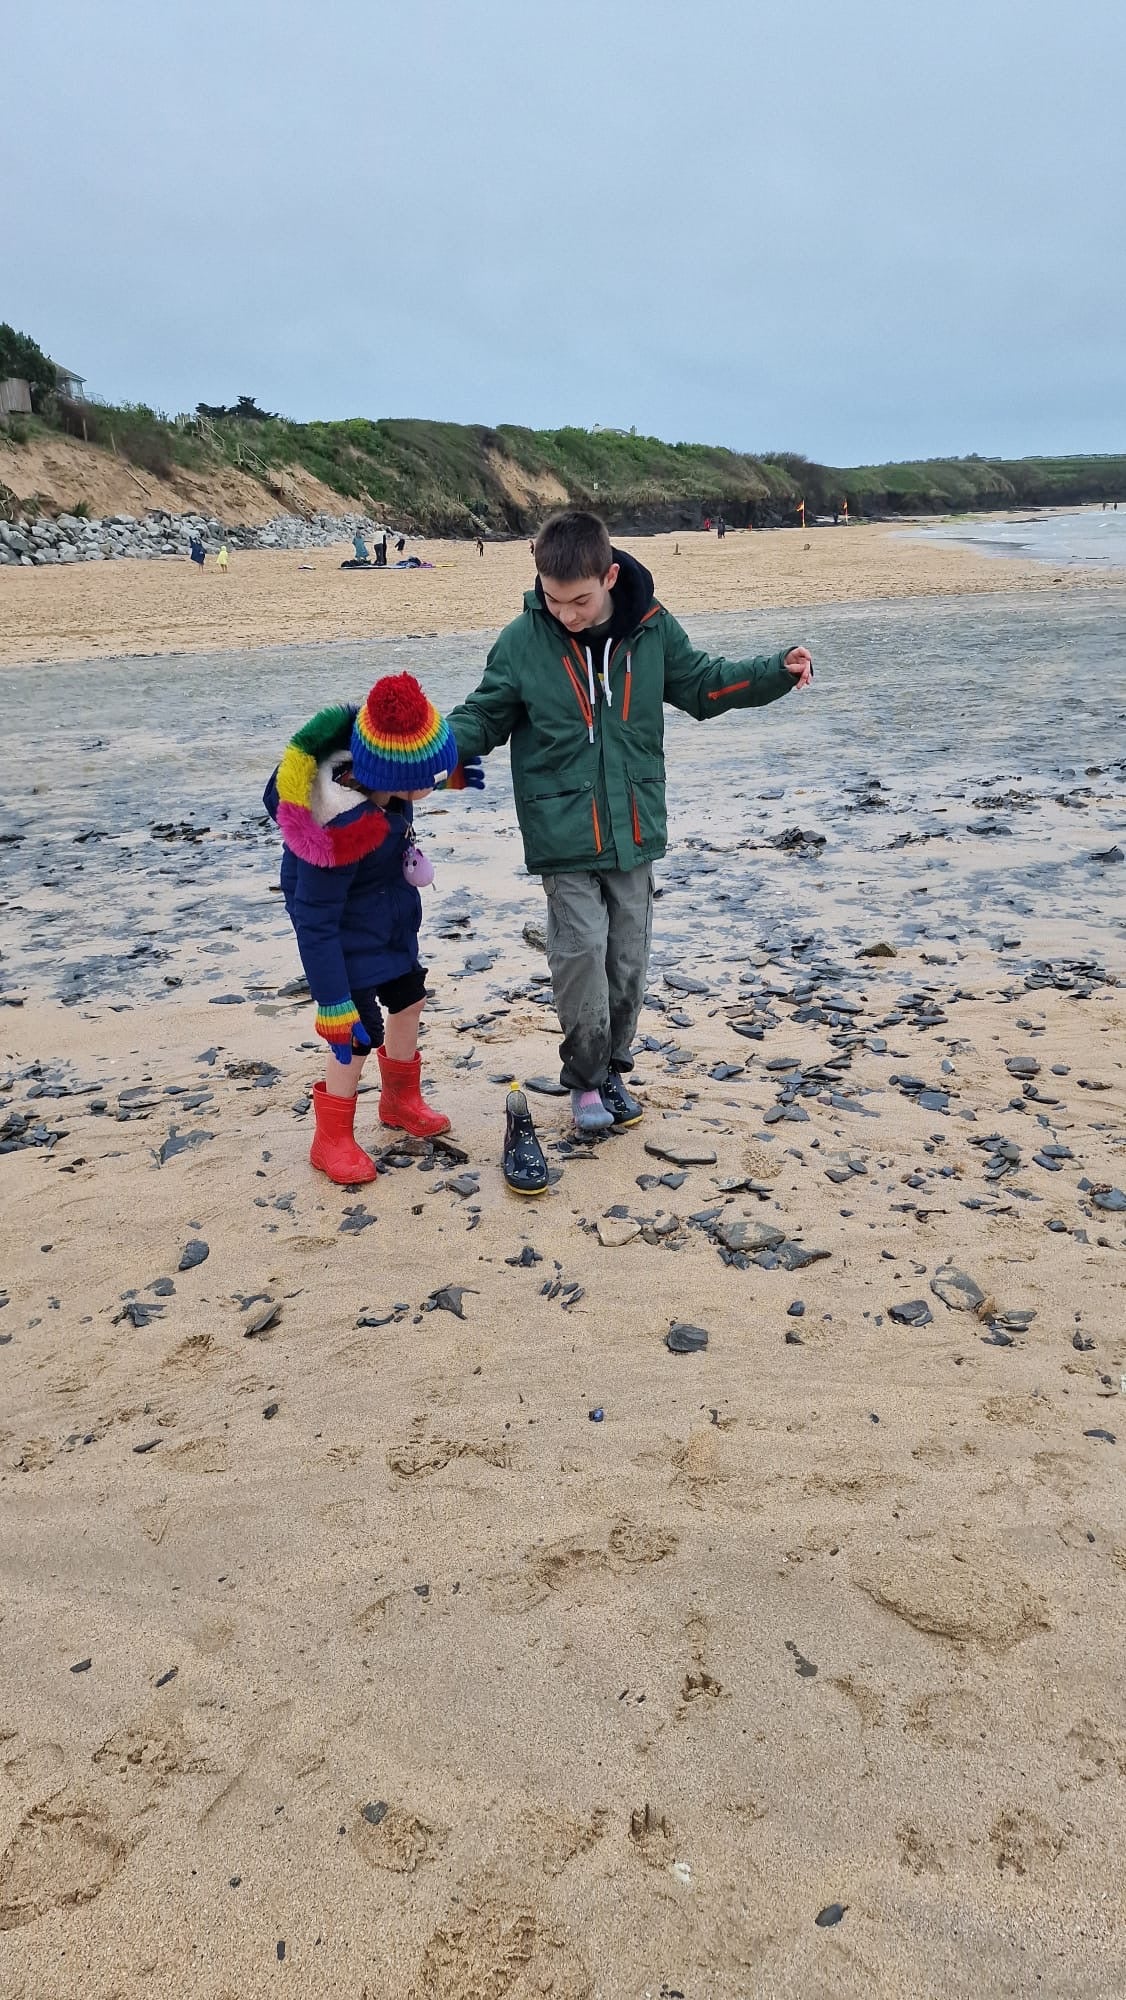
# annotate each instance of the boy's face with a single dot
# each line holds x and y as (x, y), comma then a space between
(583, 603)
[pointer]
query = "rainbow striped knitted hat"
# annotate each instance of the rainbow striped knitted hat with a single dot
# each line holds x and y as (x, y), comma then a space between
(399, 741)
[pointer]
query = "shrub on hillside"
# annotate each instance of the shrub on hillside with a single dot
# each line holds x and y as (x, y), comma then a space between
(24, 358)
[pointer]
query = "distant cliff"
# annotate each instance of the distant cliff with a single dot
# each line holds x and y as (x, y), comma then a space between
(467, 479)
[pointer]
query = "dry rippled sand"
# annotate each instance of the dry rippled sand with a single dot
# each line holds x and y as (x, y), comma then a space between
(103, 610)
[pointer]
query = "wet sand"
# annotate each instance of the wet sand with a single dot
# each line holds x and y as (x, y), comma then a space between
(106, 610)
(348, 1648)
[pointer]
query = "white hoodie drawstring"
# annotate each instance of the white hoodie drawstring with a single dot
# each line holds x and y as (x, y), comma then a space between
(604, 680)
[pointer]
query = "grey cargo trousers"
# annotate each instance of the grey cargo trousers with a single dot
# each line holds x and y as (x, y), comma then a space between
(599, 930)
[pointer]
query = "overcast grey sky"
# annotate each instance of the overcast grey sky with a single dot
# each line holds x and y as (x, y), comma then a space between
(863, 229)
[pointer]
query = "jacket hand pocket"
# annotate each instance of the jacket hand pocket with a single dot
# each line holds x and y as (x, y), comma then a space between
(562, 827)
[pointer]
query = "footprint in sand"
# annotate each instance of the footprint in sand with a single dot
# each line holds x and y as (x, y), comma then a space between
(1021, 1841)
(389, 1837)
(62, 1853)
(549, 1840)
(965, 1595)
(635, 1543)
(155, 1750)
(652, 1835)
(37, 1454)
(917, 1853)
(200, 1354)
(951, 1717)
(206, 1454)
(422, 1459)
(32, 1765)
(492, 1944)
(698, 1688)
(573, 1566)
(1097, 1753)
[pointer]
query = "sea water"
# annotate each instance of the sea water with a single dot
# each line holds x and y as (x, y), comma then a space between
(1089, 536)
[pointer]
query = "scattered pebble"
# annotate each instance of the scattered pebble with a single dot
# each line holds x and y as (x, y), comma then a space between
(266, 1316)
(683, 1153)
(956, 1289)
(683, 1338)
(448, 1298)
(913, 1312)
(614, 1232)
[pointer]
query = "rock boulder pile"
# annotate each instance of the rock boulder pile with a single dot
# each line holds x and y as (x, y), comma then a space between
(67, 538)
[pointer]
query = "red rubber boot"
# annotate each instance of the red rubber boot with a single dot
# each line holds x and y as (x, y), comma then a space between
(401, 1102)
(334, 1149)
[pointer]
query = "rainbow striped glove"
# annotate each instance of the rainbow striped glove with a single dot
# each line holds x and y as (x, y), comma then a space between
(340, 1026)
(468, 775)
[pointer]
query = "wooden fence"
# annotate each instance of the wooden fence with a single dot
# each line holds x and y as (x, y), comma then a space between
(15, 398)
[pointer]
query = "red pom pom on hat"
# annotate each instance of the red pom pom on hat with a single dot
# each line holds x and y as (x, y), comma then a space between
(397, 706)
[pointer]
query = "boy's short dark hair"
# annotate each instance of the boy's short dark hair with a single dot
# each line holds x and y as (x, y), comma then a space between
(572, 546)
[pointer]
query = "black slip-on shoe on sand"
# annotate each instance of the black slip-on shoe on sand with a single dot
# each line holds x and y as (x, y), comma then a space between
(525, 1168)
(623, 1107)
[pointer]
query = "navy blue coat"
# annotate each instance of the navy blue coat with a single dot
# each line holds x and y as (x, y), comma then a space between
(357, 925)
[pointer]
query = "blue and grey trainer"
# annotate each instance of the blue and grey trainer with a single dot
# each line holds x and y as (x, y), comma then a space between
(590, 1113)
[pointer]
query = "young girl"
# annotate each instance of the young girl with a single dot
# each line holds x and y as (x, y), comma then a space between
(342, 797)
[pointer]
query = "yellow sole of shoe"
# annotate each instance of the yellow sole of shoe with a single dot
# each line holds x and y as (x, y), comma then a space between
(526, 1194)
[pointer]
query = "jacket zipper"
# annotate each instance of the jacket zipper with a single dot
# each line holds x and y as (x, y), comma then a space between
(597, 828)
(580, 697)
(736, 687)
(636, 820)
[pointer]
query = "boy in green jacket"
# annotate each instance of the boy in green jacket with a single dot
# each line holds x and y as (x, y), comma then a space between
(578, 684)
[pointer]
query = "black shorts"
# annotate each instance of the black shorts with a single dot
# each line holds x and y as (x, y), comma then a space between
(396, 995)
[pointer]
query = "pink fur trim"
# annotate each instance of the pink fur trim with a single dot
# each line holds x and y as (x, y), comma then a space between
(304, 837)
(333, 846)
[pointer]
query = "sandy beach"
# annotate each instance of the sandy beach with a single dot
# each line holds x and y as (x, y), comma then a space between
(387, 1612)
(107, 610)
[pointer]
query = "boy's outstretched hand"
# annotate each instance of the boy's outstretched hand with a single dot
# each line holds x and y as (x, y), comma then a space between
(468, 775)
(799, 663)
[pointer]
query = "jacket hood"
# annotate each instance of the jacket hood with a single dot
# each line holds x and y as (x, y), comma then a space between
(632, 594)
(321, 821)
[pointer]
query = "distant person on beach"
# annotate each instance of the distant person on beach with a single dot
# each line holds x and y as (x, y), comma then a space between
(196, 551)
(360, 546)
(222, 557)
(844, 510)
(400, 545)
(343, 798)
(578, 683)
(801, 513)
(480, 546)
(720, 528)
(381, 549)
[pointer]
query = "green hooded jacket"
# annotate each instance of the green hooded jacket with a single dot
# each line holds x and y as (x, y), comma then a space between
(587, 734)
